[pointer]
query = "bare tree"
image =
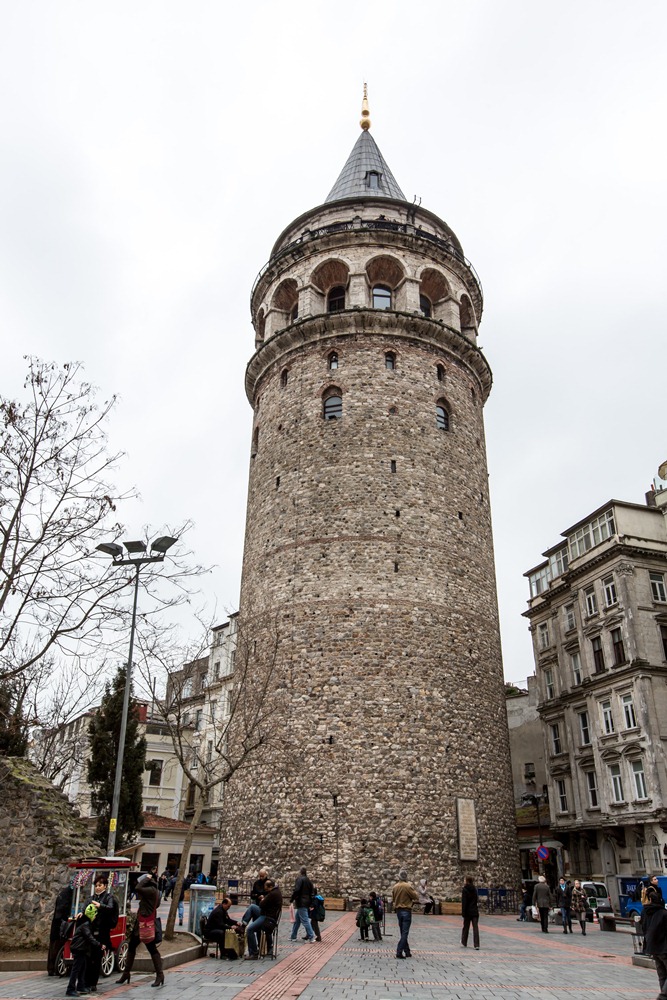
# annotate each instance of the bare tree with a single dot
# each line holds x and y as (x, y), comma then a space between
(56, 504)
(218, 725)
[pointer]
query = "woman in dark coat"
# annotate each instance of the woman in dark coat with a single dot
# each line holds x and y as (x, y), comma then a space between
(470, 912)
(149, 898)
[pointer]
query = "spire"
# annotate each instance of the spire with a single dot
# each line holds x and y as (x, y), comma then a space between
(365, 113)
(366, 174)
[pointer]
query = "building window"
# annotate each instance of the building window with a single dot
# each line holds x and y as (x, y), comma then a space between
(663, 636)
(598, 654)
(609, 590)
(591, 601)
(575, 663)
(658, 591)
(152, 811)
(592, 789)
(584, 729)
(283, 378)
(639, 779)
(187, 688)
(332, 361)
(591, 534)
(209, 751)
(607, 717)
(441, 418)
(216, 670)
(539, 581)
(656, 856)
(618, 647)
(198, 717)
(529, 771)
(381, 297)
(562, 795)
(570, 617)
(616, 782)
(556, 744)
(549, 685)
(390, 361)
(440, 373)
(333, 407)
(558, 563)
(425, 306)
(640, 847)
(543, 635)
(336, 299)
(629, 717)
(155, 768)
(194, 761)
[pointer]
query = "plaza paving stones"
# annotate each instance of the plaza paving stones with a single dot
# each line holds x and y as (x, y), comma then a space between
(516, 962)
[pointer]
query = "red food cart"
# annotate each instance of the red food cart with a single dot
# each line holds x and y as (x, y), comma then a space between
(84, 873)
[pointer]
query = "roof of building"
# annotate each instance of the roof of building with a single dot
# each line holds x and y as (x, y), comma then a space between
(153, 821)
(364, 160)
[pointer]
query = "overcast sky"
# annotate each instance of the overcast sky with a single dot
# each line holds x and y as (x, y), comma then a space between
(153, 151)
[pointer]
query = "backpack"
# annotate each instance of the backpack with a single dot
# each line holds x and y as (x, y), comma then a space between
(66, 929)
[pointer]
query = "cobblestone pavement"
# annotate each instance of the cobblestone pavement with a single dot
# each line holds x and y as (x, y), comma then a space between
(515, 962)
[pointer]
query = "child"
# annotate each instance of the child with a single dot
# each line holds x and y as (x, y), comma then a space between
(366, 919)
(81, 946)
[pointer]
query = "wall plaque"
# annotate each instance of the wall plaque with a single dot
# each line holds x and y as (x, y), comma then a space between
(467, 824)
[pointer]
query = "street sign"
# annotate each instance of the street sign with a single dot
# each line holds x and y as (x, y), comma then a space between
(542, 852)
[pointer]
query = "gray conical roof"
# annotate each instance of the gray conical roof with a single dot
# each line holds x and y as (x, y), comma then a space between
(353, 181)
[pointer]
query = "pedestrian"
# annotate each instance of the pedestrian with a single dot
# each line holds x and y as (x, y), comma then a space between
(146, 929)
(542, 900)
(425, 898)
(654, 929)
(365, 918)
(302, 900)
(655, 885)
(317, 913)
(525, 902)
(107, 918)
(470, 912)
(579, 904)
(265, 917)
(81, 946)
(564, 902)
(403, 897)
(61, 914)
(375, 902)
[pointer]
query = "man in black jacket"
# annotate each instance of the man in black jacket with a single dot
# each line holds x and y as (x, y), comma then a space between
(302, 897)
(218, 923)
(61, 912)
(270, 908)
(105, 921)
(654, 929)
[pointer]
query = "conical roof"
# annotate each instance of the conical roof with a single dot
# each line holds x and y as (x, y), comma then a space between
(366, 174)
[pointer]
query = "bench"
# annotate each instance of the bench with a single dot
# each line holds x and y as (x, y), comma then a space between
(610, 922)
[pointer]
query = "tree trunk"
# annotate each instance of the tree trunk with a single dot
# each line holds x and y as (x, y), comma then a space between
(187, 844)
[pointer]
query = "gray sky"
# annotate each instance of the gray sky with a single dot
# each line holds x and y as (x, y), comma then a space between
(151, 153)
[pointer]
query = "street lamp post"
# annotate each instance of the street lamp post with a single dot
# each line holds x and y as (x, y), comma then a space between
(535, 801)
(137, 558)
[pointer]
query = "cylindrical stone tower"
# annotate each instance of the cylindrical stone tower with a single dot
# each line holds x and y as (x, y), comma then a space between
(368, 598)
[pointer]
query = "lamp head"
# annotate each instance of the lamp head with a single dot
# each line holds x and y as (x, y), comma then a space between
(163, 543)
(111, 549)
(135, 548)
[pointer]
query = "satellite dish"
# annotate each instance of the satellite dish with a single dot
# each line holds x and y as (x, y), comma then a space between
(662, 470)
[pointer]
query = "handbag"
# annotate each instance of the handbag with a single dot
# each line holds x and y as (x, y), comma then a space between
(536, 913)
(292, 914)
(147, 929)
(158, 930)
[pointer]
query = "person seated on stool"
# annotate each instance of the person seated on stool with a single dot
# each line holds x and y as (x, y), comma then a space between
(217, 924)
(265, 919)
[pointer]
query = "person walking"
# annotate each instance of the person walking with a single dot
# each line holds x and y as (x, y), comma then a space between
(579, 904)
(149, 898)
(107, 918)
(654, 929)
(302, 899)
(61, 914)
(542, 900)
(470, 912)
(564, 903)
(403, 897)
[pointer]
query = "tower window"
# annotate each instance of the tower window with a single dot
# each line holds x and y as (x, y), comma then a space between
(390, 361)
(393, 465)
(336, 299)
(381, 297)
(255, 442)
(294, 315)
(425, 306)
(283, 378)
(373, 180)
(332, 361)
(440, 373)
(441, 418)
(333, 407)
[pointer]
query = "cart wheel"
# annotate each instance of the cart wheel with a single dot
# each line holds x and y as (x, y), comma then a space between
(108, 959)
(61, 964)
(121, 956)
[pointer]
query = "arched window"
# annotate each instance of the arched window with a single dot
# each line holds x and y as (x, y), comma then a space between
(255, 443)
(381, 297)
(336, 299)
(425, 306)
(440, 372)
(333, 406)
(333, 361)
(283, 378)
(294, 315)
(442, 417)
(390, 361)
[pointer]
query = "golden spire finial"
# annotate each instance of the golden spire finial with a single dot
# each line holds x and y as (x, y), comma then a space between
(365, 113)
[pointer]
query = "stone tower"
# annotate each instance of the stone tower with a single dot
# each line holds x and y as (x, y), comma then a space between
(368, 574)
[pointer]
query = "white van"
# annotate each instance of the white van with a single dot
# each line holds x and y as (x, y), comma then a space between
(598, 895)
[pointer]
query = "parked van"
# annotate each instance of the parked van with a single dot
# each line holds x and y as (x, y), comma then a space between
(634, 907)
(598, 896)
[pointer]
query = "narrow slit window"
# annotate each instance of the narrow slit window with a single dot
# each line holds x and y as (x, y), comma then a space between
(441, 417)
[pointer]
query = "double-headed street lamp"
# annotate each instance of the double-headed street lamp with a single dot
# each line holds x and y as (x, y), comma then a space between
(136, 556)
(534, 800)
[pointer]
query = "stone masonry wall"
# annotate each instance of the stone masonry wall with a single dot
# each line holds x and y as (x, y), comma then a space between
(40, 833)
